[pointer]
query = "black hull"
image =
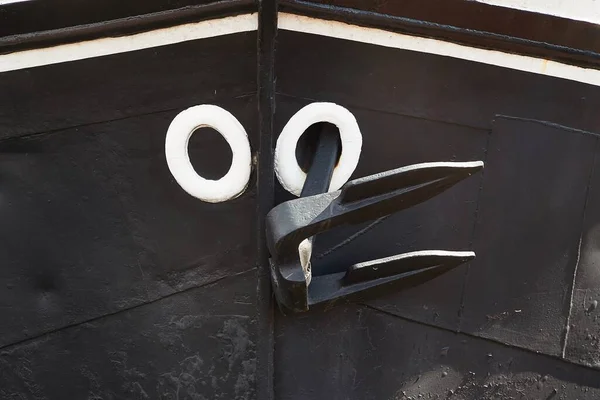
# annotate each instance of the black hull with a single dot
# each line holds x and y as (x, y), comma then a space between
(117, 284)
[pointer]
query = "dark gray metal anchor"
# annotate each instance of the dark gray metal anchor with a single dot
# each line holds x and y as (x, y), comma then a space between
(293, 225)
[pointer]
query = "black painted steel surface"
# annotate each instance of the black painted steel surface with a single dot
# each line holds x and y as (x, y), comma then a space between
(116, 284)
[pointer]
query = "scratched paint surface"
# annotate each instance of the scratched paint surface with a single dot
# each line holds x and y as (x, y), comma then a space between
(191, 345)
(120, 286)
(493, 329)
(116, 284)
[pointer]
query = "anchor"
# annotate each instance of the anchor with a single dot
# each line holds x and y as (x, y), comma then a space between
(292, 227)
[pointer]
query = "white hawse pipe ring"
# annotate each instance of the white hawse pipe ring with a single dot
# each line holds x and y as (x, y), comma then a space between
(289, 173)
(181, 129)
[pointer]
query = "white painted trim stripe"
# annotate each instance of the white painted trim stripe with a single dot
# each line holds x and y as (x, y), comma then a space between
(340, 30)
(123, 44)
(578, 10)
(292, 22)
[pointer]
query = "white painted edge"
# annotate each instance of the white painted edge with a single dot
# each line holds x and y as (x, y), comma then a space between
(115, 45)
(181, 129)
(287, 170)
(578, 10)
(340, 30)
(418, 253)
(292, 22)
(2, 2)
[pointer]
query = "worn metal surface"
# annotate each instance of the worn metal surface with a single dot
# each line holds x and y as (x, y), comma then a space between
(506, 315)
(117, 285)
(357, 352)
(582, 344)
(527, 234)
(191, 345)
(467, 22)
(33, 24)
(54, 97)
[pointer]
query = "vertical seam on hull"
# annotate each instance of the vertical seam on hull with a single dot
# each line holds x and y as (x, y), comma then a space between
(571, 293)
(267, 31)
(474, 229)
